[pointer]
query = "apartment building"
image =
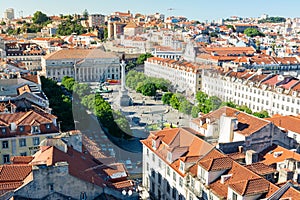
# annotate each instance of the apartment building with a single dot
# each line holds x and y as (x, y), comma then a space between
(231, 129)
(21, 93)
(96, 20)
(179, 165)
(59, 171)
(9, 14)
(287, 123)
(22, 132)
(277, 94)
(29, 54)
(184, 76)
(81, 64)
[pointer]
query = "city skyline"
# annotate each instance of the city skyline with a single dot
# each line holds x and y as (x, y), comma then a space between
(193, 9)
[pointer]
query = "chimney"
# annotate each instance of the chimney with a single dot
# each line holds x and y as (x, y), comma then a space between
(240, 149)
(251, 157)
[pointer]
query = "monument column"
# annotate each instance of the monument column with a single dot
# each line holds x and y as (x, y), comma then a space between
(124, 99)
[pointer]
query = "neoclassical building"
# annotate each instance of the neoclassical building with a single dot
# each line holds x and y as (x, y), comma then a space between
(82, 64)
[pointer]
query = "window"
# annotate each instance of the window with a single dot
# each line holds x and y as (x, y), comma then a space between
(6, 158)
(168, 171)
(36, 141)
(180, 182)
(234, 196)
(35, 129)
(4, 144)
(147, 166)
(51, 187)
(23, 154)
(174, 176)
(147, 152)
(153, 157)
(22, 142)
(169, 156)
(21, 128)
(181, 166)
(48, 126)
(3, 130)
(159, 162)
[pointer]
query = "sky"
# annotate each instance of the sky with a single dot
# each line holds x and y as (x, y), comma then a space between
(192, 9)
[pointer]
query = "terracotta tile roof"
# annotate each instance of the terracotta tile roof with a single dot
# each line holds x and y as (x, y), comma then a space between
(260, 168)
(237, 155)
(247, 124)
(242, 180)
(215, 161)
(180, 142)
(272, 81)
(21, 159)
(296, 87)
(84, 171)
(9, 186)
(272, 189)
(286, 122)
(289, 84)
(23, 89)
(258, 78)
(251, 187)
(14, 173)
(291, 194)
(180, 65)
(269, 157)
(227, 51)
(32, 78)
(79, 54)
(123, 184)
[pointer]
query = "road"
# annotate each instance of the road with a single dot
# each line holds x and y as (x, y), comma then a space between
(145, 111)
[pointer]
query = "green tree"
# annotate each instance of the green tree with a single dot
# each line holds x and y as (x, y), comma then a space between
(105, 34)
(201, 97)
(39, 17)
(60, 104)
(261, 114)
(166, 98)
(122, 122)
(81, 89)
(213, 103)
(245, 109)
(141, 59)
(229, 104)
(175, 100)
(272, 20)
(147, 89)
(68, 82)
(68, 27)
(2, 23)
(185, 107)
(195, 111)
(253, 32)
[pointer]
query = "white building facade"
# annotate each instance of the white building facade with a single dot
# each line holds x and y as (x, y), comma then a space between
(81, 64)
(274, 93)
(184, 76)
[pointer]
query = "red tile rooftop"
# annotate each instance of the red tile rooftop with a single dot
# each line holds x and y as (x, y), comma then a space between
(275, 154)
(289, 84)
(272, 81)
